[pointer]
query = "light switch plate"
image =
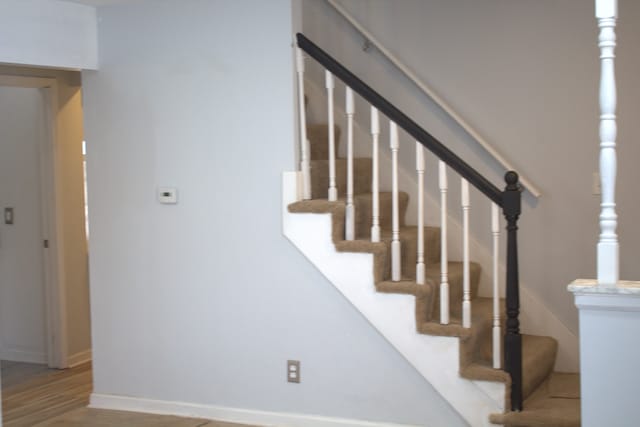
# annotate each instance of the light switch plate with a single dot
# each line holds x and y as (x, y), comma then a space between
(168, 195)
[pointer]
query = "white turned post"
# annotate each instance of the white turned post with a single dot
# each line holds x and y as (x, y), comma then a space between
(466, 280)
(497, 333)
(375, 190)
(305, 165)
(333, 189)
(420, 269)
(608, 263)
(395, 227)
(350, 219)
(444, 262)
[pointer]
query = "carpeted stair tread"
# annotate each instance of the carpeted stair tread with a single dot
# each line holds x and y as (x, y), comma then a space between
(320, 177)
(363, 208)
(455, 275)
(409, 287)
(315, 206)
(543, 409)
(455, 279)
(481, 315)
(409, 245)
(564, 385)
(364, 212)
(336, 209)
(318, 136)
(538, 357)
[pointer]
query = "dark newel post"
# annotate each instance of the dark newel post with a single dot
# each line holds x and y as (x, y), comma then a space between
(513, 339)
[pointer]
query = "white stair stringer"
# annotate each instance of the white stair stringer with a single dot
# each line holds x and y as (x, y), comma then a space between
(393, 315)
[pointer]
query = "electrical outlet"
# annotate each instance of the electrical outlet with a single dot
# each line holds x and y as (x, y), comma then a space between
(293, 371)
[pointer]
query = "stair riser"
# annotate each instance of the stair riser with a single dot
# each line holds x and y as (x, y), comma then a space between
(318, 136)
(320, 177)
(456, 291)
(364, 213)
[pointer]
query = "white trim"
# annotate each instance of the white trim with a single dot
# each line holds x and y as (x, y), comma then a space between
(608, 302)
(433, 95)
(54, 275)
(79, 358)
(221, 413)
(23, 356)
(589, 295)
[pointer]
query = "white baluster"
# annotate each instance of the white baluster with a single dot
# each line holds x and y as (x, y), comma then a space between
(395, 228)
(330, 85)
(350, 220)
(466, 280)
(497, 333)
(375, 191)
(608, 251)
(305, 165)
(444, 263)
(420, 269)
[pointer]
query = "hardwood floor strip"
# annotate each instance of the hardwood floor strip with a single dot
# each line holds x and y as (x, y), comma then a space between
(47, 396)
(60, 399)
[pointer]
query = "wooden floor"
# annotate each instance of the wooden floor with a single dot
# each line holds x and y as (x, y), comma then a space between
(36, 397)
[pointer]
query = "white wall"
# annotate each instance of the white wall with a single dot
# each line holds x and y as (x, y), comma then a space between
(48, 33)
(68, 149)
(22, 298)
(204, 301)
(525, 75)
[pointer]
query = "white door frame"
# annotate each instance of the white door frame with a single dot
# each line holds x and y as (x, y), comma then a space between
(54, 273)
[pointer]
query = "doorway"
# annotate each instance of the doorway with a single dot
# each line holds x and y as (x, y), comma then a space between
(44, 292)
(23, 234)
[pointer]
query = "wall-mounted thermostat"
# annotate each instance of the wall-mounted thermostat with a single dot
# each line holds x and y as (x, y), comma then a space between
(168, 195)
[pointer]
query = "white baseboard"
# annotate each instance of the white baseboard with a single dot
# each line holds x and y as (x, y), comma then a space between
(24, 356)
(219, 413)
(79, 358)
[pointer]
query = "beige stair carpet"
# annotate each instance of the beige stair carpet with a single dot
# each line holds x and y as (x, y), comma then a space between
(551, 399)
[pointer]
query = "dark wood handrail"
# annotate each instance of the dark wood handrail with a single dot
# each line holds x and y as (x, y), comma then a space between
(509, 200)
(401, 119)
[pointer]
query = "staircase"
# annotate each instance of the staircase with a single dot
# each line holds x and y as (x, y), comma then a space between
(408, 314)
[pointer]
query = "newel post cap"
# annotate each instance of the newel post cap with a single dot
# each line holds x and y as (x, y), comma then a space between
(606, 9)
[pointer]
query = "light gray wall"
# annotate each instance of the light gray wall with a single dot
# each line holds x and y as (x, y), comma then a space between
(204, 301)
(22, 295)
(525, 75)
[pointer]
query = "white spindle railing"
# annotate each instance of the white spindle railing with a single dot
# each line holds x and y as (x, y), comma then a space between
(333, 189)
(395, 228)
(305, 164)
(608, 219)
(497, 333)
(466, 280)
(420, 268)
(375, 190)
(608, 251)
(444, 266)
(350, 219)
